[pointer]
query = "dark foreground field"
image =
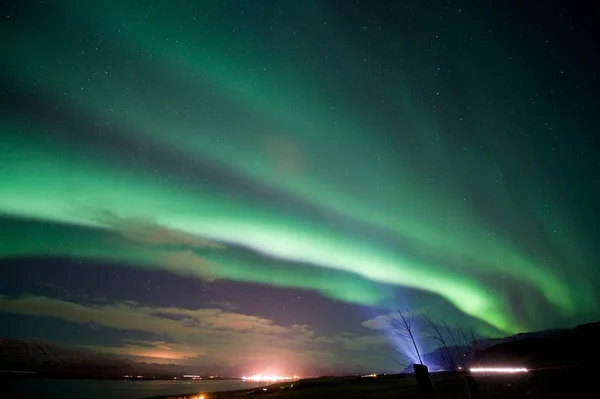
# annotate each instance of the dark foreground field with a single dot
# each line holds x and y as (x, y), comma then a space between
(549, 383)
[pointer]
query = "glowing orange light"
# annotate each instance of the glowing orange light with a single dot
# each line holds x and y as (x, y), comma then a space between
(262, 378)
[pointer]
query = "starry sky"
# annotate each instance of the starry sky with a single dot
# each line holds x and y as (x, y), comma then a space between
(250, 186)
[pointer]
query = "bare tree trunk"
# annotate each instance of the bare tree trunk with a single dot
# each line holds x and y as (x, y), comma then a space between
(404, 326)
(412, 337)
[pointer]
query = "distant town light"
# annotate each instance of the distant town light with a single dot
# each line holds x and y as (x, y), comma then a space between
(262, 378)
(498, 370)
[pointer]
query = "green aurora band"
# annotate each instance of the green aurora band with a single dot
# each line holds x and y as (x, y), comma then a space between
(334, 205)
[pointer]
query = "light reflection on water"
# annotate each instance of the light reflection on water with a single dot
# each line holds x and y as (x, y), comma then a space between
(111, 389)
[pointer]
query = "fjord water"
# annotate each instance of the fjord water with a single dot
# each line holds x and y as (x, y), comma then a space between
(20, 388)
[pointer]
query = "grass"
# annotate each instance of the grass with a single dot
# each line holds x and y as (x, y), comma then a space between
(535, 384)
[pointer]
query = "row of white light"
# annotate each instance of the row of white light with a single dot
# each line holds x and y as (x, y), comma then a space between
(498, 370)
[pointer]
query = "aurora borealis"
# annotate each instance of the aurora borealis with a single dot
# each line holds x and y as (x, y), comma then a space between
(367, 157)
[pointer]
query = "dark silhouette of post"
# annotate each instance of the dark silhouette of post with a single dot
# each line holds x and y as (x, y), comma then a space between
(424, 382)
(472, 388)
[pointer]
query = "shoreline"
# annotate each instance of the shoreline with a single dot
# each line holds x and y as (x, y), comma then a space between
(38, 376)
(446, 386)
(309, 387)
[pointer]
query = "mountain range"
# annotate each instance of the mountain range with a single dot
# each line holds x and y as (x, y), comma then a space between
(53, 360)
(548, 348)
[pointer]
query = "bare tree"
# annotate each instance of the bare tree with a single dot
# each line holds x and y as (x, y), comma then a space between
(475, 342)
(404, 326)
(470, 341)
(458, 345)
(442, 339)
(463, 335)
(405, 365)
(460, 350)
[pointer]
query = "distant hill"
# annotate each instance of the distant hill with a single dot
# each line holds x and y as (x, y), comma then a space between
(53, 360)
(578, 346)
(547, 348)
(555, 333)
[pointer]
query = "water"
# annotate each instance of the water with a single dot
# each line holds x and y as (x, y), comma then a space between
(31, 388)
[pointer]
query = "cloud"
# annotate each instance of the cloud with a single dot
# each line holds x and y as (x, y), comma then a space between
(324, 340)
(382, 322)
(147, 231)
(44, 284)
(128, 315)
(286, 157)
(207, 336)
(377, 323)
(224, 305)
(189, 262)
(179, 250)
(156, 351)
(234, 341)
(358, 342)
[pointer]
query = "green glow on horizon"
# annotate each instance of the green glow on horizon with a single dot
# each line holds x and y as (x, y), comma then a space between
(436, 239)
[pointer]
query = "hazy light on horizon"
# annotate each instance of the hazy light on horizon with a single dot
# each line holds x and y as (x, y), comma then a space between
(260, 377)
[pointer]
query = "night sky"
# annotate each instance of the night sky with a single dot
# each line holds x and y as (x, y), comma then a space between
(250, 185)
